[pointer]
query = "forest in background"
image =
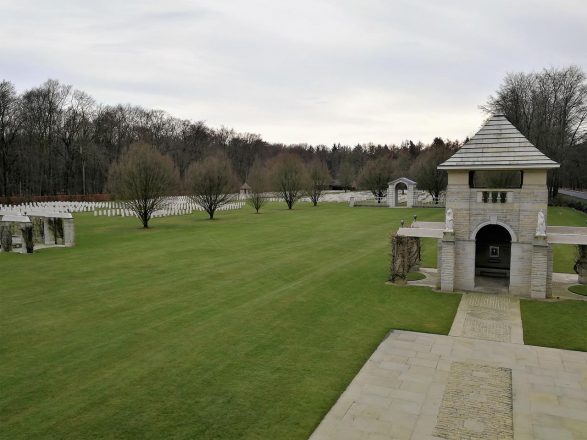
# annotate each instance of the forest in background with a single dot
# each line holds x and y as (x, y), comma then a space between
(55, 139)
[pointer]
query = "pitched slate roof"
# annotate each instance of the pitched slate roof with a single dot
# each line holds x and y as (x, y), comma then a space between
(498, 146)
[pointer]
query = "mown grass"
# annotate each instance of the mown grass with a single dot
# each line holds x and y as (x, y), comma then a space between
(248, 327)
(564, 254)
(555, 324)
(579, 289)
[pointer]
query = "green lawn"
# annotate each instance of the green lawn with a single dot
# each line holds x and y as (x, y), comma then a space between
(564, 254)
(246, 327)
(579, 289)
(555, 324)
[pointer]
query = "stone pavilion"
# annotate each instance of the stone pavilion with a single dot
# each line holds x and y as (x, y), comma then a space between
(495, 237)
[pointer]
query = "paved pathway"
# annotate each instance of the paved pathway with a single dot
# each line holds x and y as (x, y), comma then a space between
(577, 194)
(489, 317)
(479, 382)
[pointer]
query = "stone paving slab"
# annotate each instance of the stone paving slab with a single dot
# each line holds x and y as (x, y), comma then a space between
(490, 317)
(402, 389)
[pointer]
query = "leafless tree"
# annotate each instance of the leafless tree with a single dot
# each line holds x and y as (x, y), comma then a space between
(426, 171)
(346, 175)
(257, 180)
(10, 123)
(75, 133)
(549, 108)
(42, 107)
(318, 179)
(143, 178)
(289, 177)
(212, 183)
(375, 176)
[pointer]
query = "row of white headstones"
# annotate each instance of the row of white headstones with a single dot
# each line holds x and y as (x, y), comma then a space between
(172, 210)
(180, 205)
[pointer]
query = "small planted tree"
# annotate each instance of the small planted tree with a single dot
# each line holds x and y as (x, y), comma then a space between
(428, 176)
(27, 235)
(212, 182)
(6, 238)
(318, 179)
(346, 175)
(258, 182)
(289, 178)
(375, 176)
(143, 178)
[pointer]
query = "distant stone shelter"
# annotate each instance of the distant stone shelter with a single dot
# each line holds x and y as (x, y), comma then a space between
(495, 235)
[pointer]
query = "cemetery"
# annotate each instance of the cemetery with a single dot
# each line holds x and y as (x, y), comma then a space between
(278, 325)
(148, 320)
(189, 245)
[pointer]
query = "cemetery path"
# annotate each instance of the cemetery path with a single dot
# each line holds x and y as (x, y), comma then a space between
(489, 317)
(479, 382)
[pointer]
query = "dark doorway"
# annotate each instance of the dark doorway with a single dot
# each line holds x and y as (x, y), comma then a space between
(493, 247)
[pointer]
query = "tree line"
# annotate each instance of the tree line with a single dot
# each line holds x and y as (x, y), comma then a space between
(55, 139)
(144, 179)
(58, 140)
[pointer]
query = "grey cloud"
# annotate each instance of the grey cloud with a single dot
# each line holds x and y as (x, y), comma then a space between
(304, 71)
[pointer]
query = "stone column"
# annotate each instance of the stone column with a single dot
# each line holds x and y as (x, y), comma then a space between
(549, 264)
(351, 202)
(539, 275)
(48, 232)
(391, 196)
(438, 262)
(20, 233)
(447, 269)
(68, 232)
(410, 201)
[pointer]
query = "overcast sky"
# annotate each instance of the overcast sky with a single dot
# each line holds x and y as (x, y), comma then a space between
(298, 71)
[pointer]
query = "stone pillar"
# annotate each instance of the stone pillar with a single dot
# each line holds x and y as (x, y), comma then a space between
(351, 202)
(447, 269)
(438, 261)
(48, 232)
(68, 232)
(391, 196)
(410, 201)
(549, 263)
(20, 233)
(539, 275)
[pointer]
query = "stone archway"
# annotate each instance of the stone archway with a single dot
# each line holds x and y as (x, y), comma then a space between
(493, 247)
(401, 184)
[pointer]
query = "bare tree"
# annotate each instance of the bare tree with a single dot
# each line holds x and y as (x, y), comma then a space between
(212, 183)
(426, 171)
(10, 122)
(75, 133)
(549, 108)
(375, 176)
(319, 177)
(257, 180)
(346, 175)
(289, 177)
(143, 178)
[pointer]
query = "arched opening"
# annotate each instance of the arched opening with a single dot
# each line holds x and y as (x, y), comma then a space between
(400, 189)
(493, 246)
